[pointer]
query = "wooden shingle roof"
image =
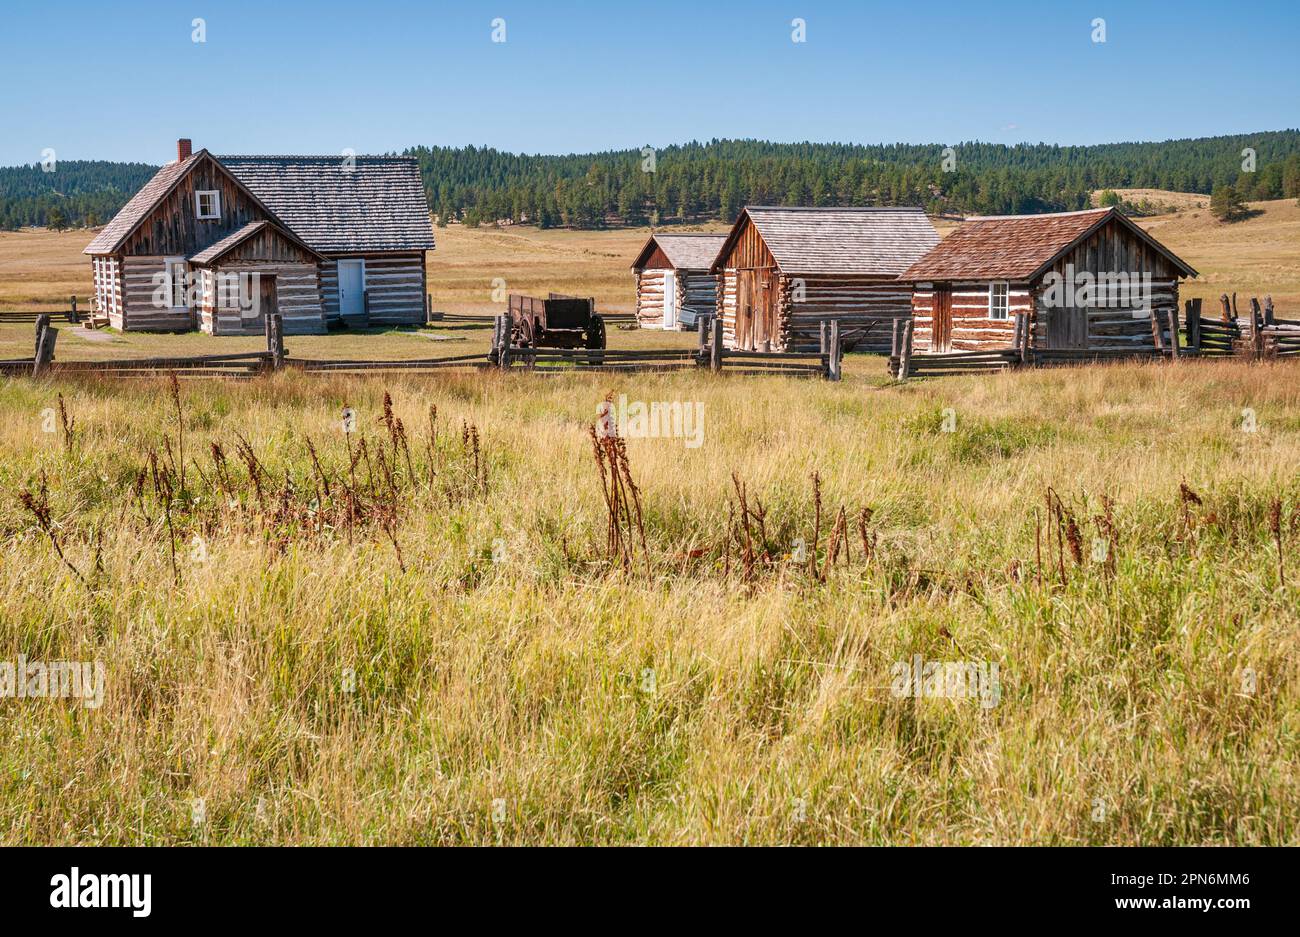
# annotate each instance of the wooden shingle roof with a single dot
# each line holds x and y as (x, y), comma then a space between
(684, 251)
(1019, 247)
(139, 205)
(378, 204)
(865, 241)
(228, 243)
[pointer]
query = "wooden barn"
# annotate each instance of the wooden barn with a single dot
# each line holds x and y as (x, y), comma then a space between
(674, 283)
(1088, 280)
(784, 270)
(217, 242)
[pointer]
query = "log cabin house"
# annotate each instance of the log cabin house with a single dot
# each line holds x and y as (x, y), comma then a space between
(969, 289)
(784, 270)
(674, 284)
(217, 242)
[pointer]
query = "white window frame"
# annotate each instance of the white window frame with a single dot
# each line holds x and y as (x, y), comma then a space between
(216, 203)
(1006, 309)
(168, 265)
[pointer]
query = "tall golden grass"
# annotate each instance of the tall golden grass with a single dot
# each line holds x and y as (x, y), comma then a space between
(461, 660)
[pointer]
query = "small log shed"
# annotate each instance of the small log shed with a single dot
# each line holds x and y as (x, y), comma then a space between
(674, 284)
(782, 271)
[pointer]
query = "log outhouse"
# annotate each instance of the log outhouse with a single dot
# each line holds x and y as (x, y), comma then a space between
(1087, 280)
(217, 242)
(674, 284)
(782, 271)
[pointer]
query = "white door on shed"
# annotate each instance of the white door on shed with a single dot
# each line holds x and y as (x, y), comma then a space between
(352, 285)
(670, 299)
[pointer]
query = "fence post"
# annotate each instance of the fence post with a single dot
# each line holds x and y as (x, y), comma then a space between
(893, 341)
(1227, 311)
(833, 362)
(42, 323)
(46, 336)
(701, 341)
(715, 351)
(1268, 310)
(822, 347)
(277, 350)
(1256, 336)
(905, 358)
(504, 357)
(1172, 316)
(1192, 315)
(76, 318)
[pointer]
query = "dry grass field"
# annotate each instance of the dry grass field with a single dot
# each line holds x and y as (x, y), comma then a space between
(430, 630)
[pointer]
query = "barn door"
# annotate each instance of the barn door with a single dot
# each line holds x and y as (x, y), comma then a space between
(1067, 327)
(267, 303)
(670, 299)
(745, 310)
(941, 340)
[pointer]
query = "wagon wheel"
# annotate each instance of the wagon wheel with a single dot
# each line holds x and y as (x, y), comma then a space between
(526, 333)
(596, 332)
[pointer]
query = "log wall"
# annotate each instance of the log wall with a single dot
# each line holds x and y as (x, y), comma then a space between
(395, 282)
(140, 313)
(108, 288)
(865, 308)
(972, 329)
(298, 299)
(650, 299)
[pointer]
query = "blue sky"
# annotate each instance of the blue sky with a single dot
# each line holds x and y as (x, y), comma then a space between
(122, 81)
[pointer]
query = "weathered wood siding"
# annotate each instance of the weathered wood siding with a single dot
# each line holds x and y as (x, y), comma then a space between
(298, 299)
(108, 288)
(1112, 249)
(395, 282)
(141, 277)
(749, 292)
(865, 307)
(697, 295)
(972, 328)
(171, 228)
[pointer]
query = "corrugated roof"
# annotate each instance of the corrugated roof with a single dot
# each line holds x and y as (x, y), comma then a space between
(378, 204)
(139, 205)
(867, 241)
(1017, 247)
(684, 251)
(235, 238)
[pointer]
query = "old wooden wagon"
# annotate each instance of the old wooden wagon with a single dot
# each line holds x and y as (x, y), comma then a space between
(674, 285)
(1087, 281)
(783, 271)
(555, 322)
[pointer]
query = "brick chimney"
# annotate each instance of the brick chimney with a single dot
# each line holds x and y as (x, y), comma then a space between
(183, 149)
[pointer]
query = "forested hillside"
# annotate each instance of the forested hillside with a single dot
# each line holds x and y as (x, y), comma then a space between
(706, 181)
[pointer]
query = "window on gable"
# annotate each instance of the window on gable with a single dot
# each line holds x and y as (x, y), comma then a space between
(998, 303)
(207, 204)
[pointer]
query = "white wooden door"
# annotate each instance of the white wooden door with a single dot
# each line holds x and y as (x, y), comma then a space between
(352, 280)
(670, 299)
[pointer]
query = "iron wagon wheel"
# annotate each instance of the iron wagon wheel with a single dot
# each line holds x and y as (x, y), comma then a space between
(596, 332)
(526, 339)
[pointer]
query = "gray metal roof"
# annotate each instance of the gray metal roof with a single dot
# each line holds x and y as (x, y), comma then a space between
(866, 241)
(378, 204)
